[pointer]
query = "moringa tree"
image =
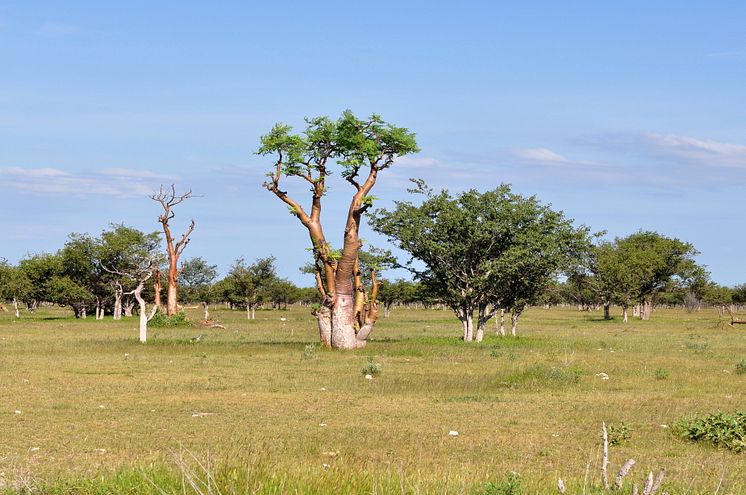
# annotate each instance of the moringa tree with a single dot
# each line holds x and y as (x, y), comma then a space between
(362, 149)
(168, 199)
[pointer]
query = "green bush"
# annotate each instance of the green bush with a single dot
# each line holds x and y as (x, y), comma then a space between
(161, 320)
(372, 368)
(721, 430)
(511, 485)
(661, 374)
(741, 367)
(619, 433)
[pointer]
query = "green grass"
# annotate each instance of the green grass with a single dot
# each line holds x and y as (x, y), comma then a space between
(101, 413)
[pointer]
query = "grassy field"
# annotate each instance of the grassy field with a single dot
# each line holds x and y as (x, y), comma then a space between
(259, 408)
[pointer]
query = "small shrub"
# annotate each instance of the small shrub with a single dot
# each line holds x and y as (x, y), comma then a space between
(511, 485)
(661, 374)
(720, 430)
(741, 367)
(619, 433)
(310, 351)
(372, 368)
(161, 320)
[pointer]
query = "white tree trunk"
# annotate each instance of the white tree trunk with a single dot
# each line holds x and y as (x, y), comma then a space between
(624, 314)
(15, 307)
(501, 323)
(118, 303)
(206, 307)
(646, 309)
(128, 307)
(636, 310)
(514, 323)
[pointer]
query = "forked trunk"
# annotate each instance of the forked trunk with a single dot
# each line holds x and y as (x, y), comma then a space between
(144, 317)
(129, 306)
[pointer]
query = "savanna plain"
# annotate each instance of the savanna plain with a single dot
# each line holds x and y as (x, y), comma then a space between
(259, 407)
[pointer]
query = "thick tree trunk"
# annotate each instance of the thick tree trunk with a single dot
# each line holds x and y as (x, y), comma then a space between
(343, 323)
(172, 291)
(607, 314)
(129, 306)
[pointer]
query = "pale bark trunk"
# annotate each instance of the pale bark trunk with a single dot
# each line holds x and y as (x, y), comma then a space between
(469, 327)
(15, 307)
(636, 310)
(83, 313)
(386, 310)
(118, 302)
(624, 314)
(343, 324)
(129, 306)
(324, 319)
(253, 312)
(206, 308)
(248, 312)
(501, 323)
(646, 310)
(144, 317)
(514, 323)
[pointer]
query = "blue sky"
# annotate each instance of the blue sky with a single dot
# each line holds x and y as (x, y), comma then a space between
(626, 115)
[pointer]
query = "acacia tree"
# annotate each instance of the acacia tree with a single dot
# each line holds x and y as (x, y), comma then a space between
(196, 278)
(362, 148)
(168, 199)
(483, 252)
(14, 285)
(250, 284)
(641, 265)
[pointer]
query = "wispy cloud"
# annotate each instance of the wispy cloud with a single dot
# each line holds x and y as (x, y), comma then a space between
(57, 29)
(540, 155)
(415, 161)
(115, 182)
(703, 151)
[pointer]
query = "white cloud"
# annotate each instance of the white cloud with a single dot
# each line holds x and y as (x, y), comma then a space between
(415, 161)
(32, 172)
(118, 182)
(706, 152)
(540, 155)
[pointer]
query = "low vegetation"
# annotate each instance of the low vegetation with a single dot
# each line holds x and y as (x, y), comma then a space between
(261, 407)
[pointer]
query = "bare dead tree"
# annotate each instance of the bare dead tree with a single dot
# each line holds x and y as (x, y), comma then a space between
(168, 199)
